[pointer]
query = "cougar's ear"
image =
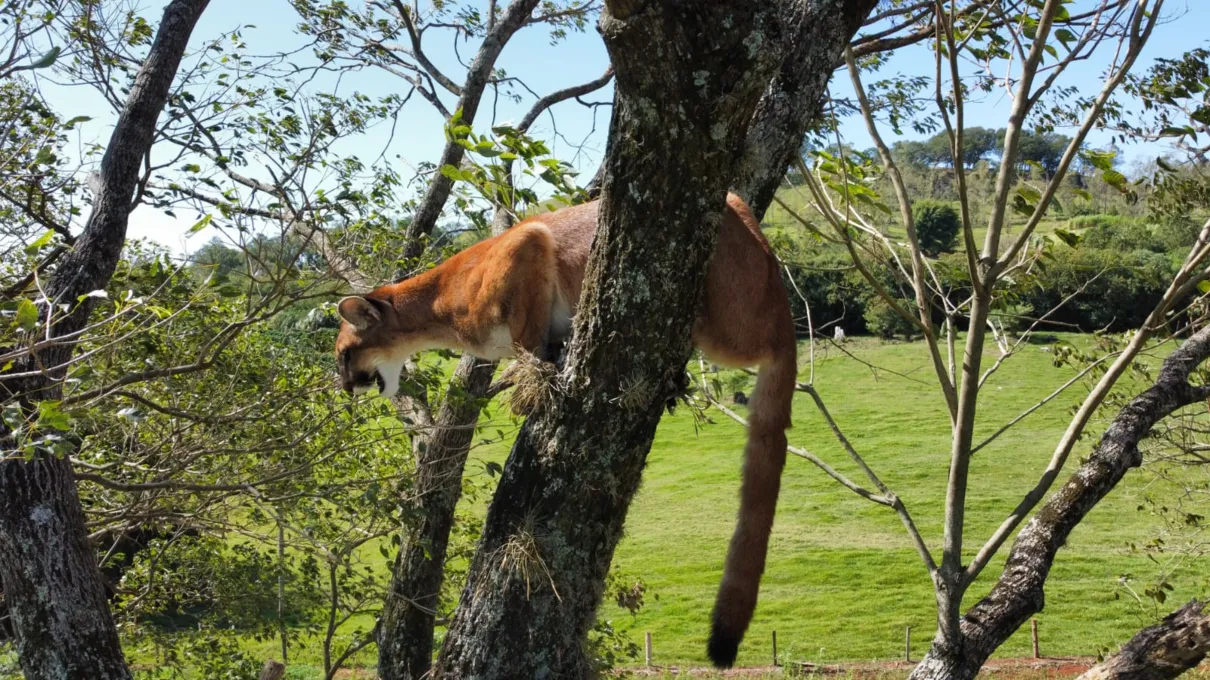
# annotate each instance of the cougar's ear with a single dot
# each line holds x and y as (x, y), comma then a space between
(360, 312)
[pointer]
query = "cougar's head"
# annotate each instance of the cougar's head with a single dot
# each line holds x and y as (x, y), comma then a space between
(371, 347)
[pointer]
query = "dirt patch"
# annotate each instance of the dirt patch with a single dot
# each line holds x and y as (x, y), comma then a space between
(1002, 669)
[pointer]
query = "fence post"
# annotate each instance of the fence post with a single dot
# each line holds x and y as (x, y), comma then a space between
(647, 645)
(1033, 624)
(775, 648)
(907, 644)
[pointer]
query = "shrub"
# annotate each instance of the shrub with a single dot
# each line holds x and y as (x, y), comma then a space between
(1177, 235)
(882, 321)
(825, 276)
(1128, 287)
(1123, 234)
(937, 226)
(1101, 220)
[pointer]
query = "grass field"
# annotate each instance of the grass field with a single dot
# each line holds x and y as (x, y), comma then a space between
(842, 581)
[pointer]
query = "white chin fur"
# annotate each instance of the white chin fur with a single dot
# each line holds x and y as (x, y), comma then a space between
(361, 389)
(389, 371)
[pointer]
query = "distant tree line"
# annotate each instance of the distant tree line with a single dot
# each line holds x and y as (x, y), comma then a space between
(979, 144)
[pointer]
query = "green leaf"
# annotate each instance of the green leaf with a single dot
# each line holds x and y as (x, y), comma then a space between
(1116, 180)
(1101, 160)
(27, 315)
(1071, 239)
(1164, 164)
(1174, 131)
(453, 172)
(43, 241)
(874, 203)
(47, 59)
(1203, 286)
(1029, 193)
(201, 224)
(50, 416)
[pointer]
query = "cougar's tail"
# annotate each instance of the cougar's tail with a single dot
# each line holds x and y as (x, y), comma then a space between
(764, 458)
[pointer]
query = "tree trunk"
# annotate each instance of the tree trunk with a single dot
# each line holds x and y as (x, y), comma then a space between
(818, 32)
(686, 92)
(1166, 650)
(405, 636)
(47, 564)
(1019, 594)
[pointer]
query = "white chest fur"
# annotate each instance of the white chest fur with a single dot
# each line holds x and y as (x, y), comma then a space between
(499, 345)
(560, 319)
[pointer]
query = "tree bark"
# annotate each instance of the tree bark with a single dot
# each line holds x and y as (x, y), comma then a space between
(425, 219)
(685, 95)
(47, 564)
(405, 636)
(1166, 650)
(1020, 592)
(818, 32)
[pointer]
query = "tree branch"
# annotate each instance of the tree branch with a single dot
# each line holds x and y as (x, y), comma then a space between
(1165, 650)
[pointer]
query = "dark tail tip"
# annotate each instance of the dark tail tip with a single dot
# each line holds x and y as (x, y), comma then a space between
(723, 647)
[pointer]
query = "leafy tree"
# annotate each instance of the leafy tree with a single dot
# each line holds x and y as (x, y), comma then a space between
(964, 640)
(937, 226)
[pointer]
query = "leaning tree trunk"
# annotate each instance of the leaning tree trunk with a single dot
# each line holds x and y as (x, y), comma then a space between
(1166, 650)
(1020, 592)
(818, 32)
(405, 630)
(47, 564)
(686, 92)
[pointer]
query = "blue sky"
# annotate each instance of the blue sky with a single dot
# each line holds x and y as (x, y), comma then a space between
(531, 57)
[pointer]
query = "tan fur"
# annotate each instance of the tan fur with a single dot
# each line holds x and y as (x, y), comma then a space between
(517, 289)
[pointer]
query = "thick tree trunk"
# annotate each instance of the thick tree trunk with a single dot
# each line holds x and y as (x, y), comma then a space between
(1020, 592)
(405, 636)
(1166, 650)
(686, 93)
(47, 565)
(424, 221)
(818, 32)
